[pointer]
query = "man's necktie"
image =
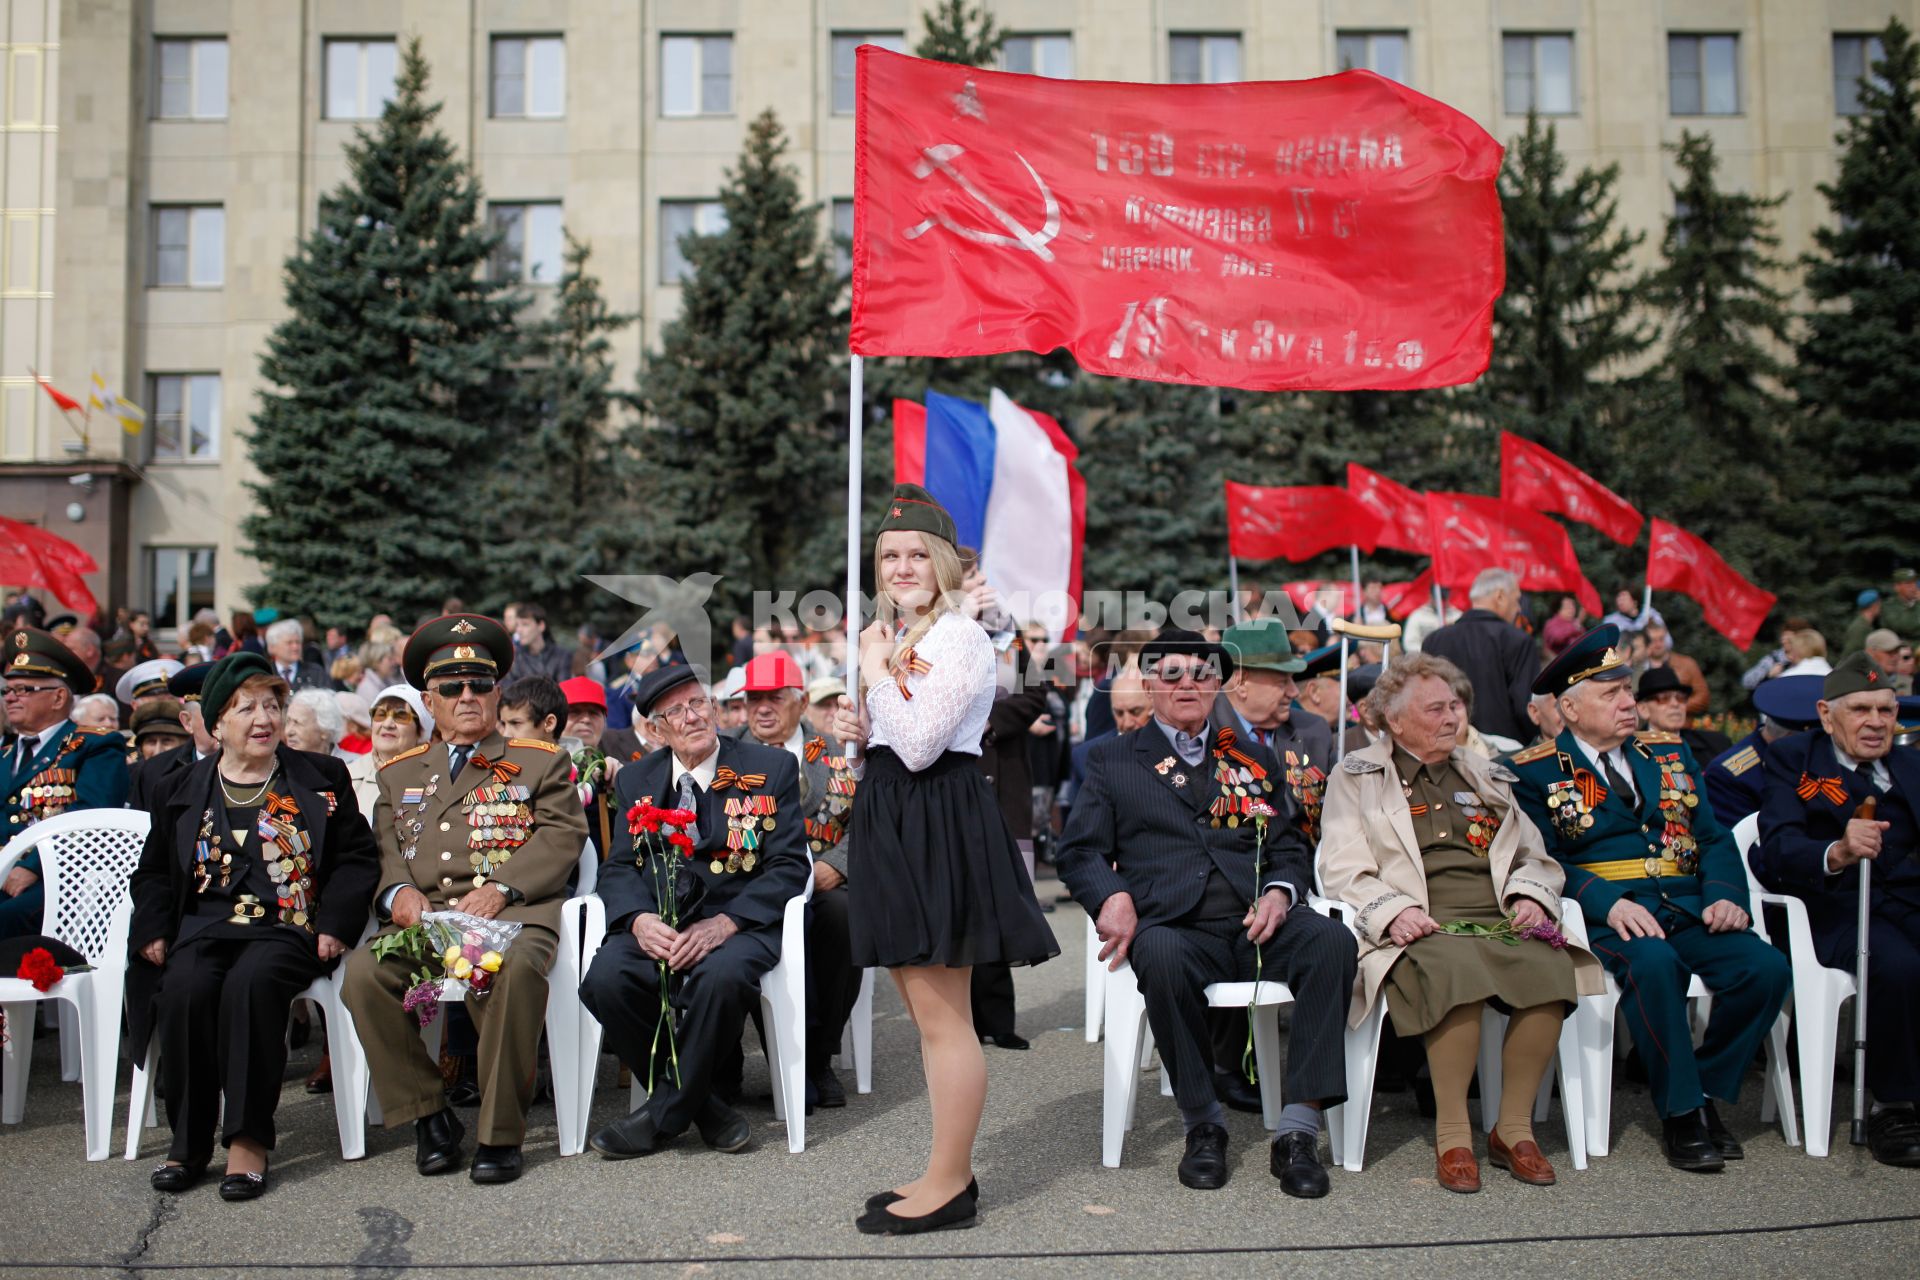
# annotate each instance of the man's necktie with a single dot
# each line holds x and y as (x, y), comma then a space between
(1617, 781)
(460, 754)
(24, 759)
(690, 801)
(1869, 778)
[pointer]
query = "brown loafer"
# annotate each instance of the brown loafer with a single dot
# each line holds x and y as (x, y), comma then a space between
(1523, 1160)
(1458, 1170)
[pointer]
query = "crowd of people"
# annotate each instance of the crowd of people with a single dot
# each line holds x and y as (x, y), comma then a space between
(1455, 785)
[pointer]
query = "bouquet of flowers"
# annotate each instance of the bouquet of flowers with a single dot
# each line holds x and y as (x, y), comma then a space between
(589, 774)
(1509, 932)
(661, 836)
(463, 948)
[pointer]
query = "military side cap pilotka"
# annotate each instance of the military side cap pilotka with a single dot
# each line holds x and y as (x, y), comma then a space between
(659, 682)
(1594, 656)
(459, 644)
(35, 653)
(225, 679)
(912, 507)
(1262, 645)
(1855, 673)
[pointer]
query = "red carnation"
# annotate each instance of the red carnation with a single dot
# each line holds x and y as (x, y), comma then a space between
(679, 817)
(642, 817)
(40, 968)
(682, 841)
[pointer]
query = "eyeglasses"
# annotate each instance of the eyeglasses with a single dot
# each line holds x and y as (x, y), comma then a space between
(454, 688)
(26, 690)
(696, 708)
(400, 715)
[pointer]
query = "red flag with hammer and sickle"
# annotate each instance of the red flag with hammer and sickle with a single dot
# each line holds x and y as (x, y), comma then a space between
(1678, 561)
(1331, 234)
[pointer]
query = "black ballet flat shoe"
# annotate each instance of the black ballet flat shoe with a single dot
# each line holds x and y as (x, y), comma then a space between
(885, 1198)
(495, 1164)
(960, 1212)
(243, 1186)
(175, 1178)
(437, 1142)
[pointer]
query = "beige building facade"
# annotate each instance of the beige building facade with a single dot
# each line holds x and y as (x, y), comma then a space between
(163, 157)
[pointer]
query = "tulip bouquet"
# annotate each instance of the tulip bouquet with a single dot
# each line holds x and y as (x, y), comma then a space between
(465, 949)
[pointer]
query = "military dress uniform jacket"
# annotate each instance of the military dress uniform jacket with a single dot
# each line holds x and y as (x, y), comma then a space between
(1737, 779)
(76, 768)
(511, 819)
(1303, 748)
(827, 787)
(767, 793)
(1669, 848)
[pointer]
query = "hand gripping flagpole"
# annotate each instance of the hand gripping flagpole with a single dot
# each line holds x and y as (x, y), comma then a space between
(856, 396)
(1858, 1133)
(1384, 633)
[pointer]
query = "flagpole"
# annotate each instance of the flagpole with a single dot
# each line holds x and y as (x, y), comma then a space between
(1646, 604)
(856, 414)
(1233, 586)
(1353, 550)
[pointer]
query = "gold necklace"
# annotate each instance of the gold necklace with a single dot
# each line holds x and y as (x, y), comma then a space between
(247, 802)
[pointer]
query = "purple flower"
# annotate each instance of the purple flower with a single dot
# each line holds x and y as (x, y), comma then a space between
(423, 1001)
(1548, 933)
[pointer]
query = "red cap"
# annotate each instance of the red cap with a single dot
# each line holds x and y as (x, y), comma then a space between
(776, 670)
(584, 691)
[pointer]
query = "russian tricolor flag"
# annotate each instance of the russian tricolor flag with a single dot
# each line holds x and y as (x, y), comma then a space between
(1007, 475)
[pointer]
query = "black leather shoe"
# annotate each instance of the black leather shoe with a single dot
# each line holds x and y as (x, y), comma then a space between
(1235, 1092)
(464, 1093)
(1204, 1166)
(1295, 1160)
(885, 1198)
(961, 1211)
(1722, 1139)
(826, 1089)
(721, 1127)
(496, 1164)
(243, 1186)
(1688, 1144)
(437, 1142)
(1008, 1040)
(1893, 1135)
(175, 1178)
(629, 1137)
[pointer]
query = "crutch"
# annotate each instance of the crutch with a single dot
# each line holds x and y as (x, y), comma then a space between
(1383, 632)
(1859, 1132)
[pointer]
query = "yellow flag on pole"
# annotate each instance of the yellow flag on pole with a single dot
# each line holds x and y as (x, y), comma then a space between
(130, 415)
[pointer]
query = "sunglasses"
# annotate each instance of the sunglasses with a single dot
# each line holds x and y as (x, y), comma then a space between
(1196, 674)
(454, 688)
(401, 714)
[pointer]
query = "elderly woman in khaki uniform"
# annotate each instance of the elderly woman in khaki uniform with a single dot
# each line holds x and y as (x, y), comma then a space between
(1420, 833)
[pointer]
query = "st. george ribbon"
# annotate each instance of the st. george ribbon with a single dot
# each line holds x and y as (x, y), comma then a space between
(1335, 234)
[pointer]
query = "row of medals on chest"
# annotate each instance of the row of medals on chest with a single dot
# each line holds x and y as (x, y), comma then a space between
(832, 826)
(498, 819)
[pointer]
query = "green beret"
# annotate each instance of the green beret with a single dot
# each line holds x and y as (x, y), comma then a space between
(224, 679)
(914, 508)
(1262, 645)
(31, 652)
(460, 644)
(1855, 673)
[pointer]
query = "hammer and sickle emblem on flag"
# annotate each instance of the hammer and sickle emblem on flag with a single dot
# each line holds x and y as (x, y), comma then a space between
(940, 158)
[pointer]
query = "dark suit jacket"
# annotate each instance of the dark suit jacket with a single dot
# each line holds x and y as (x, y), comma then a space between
(754, 899)
(1500, 661)
(346, 865)
(1004, 758)
(150, 778)
(308, 675)
(1144, 831)
(1794, 833)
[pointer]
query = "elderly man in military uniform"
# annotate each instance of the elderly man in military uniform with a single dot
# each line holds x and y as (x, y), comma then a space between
(476, 823)
(1814, 835)
(1662, 889)
(53, 766)
(1737, 778)
(747, 860)
(146, 681)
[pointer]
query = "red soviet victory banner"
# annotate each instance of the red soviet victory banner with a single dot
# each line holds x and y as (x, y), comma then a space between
(1534, 477)
(1472, 532)
(1295, 523)
(1678, 561)
(1402, 511)
(1330, 234)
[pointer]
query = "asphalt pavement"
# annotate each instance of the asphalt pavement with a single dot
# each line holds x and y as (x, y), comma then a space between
(1048, 1206)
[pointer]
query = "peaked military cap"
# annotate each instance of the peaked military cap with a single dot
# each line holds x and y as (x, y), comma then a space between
(185, 683)
(1789, 701)
(459, 644)
(1594, 656)
(912, 507)
(146, 679)
(1324, 661)
(31, 652)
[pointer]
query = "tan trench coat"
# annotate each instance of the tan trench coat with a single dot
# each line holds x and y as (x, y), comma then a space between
(1370, 860)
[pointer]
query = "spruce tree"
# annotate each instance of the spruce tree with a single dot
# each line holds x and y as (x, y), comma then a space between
(563, 495)
(955, 31)
(747, 445)
(1859, 367)
(390, 382)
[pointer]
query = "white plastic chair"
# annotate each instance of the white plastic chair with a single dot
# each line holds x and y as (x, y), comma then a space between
(86, 859)
(1095, 975)
(860, 1029)
(1818, 992)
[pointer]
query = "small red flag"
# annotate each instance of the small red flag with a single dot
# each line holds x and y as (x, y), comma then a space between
(66, 402)
(32, 557)
(1296, 523)
(1533, 477)
(1402, 511)
(1678, 561)
(1473, 532)
(1330, 234)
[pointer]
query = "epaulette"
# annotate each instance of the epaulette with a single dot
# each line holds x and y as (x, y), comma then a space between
(1741, 761)
(406, 755)
(1355, 764)
(1658, 738)
(532, 742)
(94, 731)
(1538, 751)
(1500, 773)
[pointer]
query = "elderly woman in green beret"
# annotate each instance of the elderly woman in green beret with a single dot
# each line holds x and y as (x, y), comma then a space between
(257, 874)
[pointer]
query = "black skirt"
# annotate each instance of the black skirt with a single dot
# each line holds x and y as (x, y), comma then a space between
(935, 877)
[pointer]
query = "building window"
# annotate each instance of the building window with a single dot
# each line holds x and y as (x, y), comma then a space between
(843, 63)
(1853, 59)
(179, 584)
(529, 77)
(1703, 75)
(843, 237)
(189, 246)
(1381, 52)
(185, 423)
(192, 79)
(531, 244)
(1039, 56)
(696, 75)
(683, 218)
(1204, 59)
(1539, 74)
(360, 75)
